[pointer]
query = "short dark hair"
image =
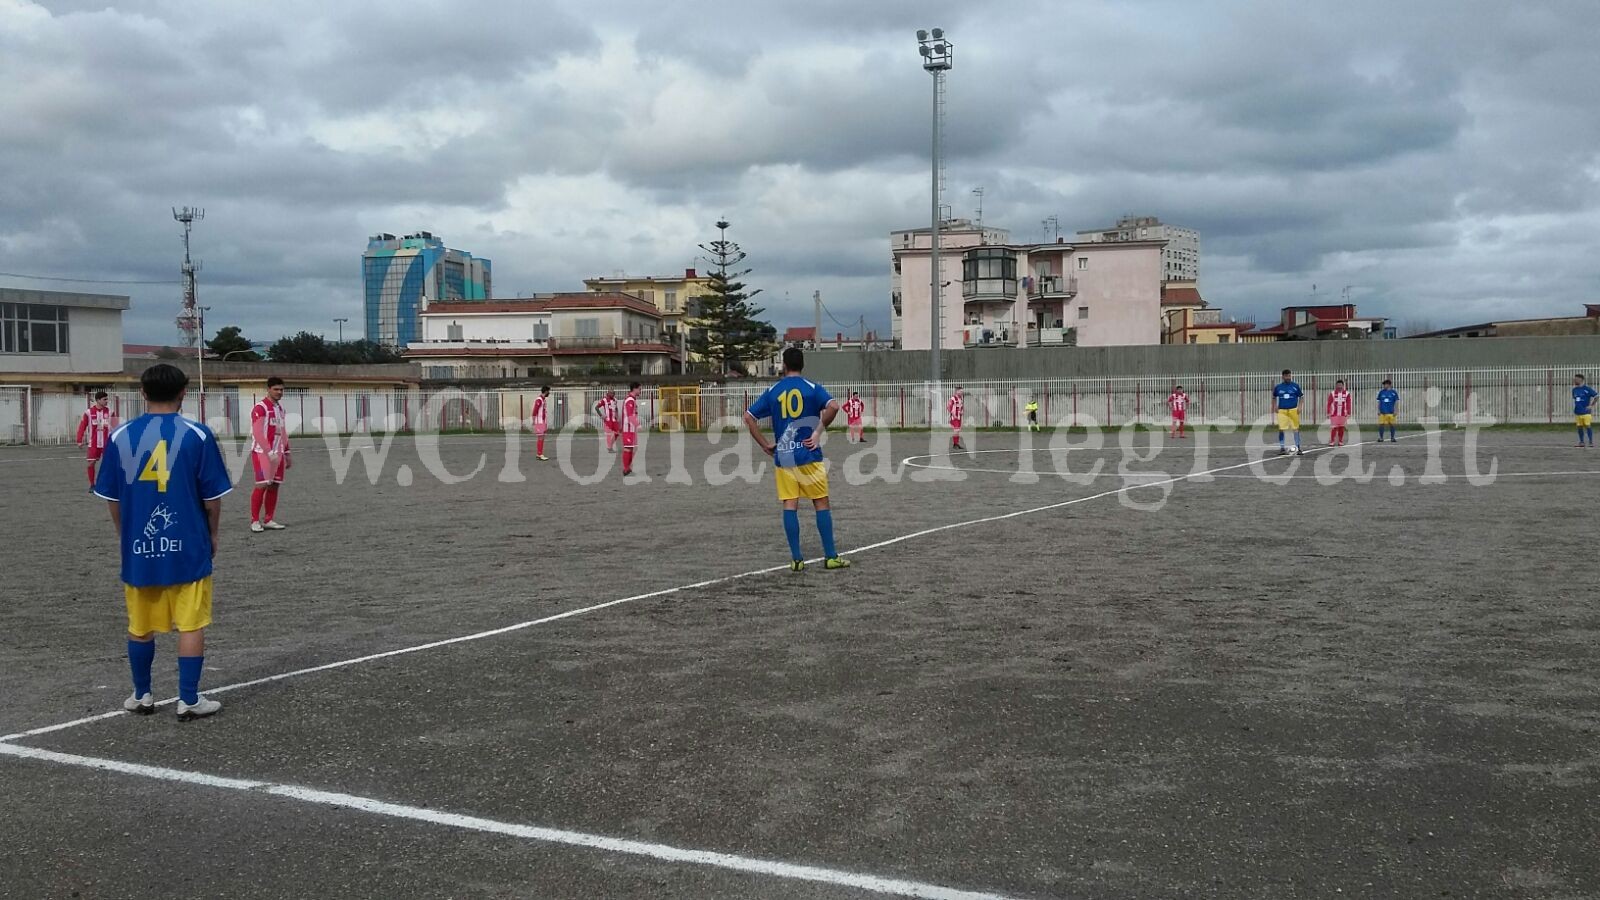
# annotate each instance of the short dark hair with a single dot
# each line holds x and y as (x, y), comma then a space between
(794, 360)
(544, 388)
(274, 381)
(1387, 381)
(1178, 388)
(101, 395)
(633, 385)
(1340, 381)
(1578, 375)
(1286, 371)
(162, 383)
(855, 393)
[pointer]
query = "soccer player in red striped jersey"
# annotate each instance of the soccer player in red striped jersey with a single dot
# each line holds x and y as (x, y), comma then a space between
(541, 418)
(1178, 402)
(630, 427)
(1339, 405)
(269, 455)
(855, 432)
(956, 407)
(606, 409)
(94, 430)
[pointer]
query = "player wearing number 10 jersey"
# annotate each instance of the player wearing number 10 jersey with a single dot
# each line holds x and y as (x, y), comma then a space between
(164, 478)
(801, 411)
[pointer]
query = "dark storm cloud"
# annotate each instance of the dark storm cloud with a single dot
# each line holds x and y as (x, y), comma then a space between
(1440, 157)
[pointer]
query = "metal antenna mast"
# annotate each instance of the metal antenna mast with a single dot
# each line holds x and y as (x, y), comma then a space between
(189, 317)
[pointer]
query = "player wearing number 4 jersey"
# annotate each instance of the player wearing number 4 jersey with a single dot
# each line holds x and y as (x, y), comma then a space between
(164, 479)
(800, 411)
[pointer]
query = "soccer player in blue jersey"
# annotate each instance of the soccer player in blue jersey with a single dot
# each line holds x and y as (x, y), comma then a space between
(1388, 410)
(1287, 396)
(1583, 409)
(800, 411)
(164, 477)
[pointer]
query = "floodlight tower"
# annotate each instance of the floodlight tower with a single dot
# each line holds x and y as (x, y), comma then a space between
(189, 317)
(938, 56)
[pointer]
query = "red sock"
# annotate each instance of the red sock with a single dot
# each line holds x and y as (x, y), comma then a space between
(256, 496)
(91, 475)
(271, 504)
(541, 445)
(627, 460)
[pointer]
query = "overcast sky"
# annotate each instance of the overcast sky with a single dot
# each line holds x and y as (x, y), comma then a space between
(1441, 158)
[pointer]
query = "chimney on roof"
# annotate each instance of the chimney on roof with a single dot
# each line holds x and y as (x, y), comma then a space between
(688, 273)
(1059, 240)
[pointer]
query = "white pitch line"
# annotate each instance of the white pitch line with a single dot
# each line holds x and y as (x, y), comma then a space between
(795, 872)
(112, 714)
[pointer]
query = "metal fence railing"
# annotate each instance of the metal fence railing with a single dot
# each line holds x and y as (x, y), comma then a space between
(1508, 395)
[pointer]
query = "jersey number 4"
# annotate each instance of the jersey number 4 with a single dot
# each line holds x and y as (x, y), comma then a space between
(155, 469)
(791, 403)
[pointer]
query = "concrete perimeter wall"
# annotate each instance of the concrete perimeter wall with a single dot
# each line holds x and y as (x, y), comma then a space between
(903, 366)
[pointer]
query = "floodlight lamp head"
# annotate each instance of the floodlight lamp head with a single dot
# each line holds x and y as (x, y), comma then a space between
(925, 51)
(922, 34)
(939, 49)
(938, 33)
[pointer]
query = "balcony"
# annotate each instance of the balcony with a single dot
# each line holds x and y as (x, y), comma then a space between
(1052, 337)
(612, 343)
(1053, 287)
(989, 290)
(981, 336)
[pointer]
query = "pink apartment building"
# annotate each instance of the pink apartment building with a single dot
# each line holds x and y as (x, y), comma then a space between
(998, 294)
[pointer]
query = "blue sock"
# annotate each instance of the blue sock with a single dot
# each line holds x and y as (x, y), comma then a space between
(1280, 439)
(791, 530)
(1591, 435)
(189, 678)
(825, 528)
(141, 654)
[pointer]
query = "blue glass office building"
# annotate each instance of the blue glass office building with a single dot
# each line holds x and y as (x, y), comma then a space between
(403, 276)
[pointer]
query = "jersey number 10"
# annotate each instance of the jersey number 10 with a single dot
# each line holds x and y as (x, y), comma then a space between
(791, 403)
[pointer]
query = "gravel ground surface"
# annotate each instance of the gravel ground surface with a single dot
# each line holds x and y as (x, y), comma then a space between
(1247, 687)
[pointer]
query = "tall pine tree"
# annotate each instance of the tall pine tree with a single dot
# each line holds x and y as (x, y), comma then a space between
(729, 331)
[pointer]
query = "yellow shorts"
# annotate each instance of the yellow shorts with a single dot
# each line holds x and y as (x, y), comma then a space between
(1288, 420)
(1584, 421)
(1386, 418)
(163, 607)
(809, 481)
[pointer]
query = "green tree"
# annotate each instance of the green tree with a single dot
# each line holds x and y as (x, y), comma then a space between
(230, 340)
(304, 347)
(729, 330)
(362, 352)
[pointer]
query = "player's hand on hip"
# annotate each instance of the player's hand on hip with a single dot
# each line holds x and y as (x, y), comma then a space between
(813, 442)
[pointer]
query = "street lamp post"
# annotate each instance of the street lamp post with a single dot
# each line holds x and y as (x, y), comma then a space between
(341, 328)
(200, 357)
(938, 56)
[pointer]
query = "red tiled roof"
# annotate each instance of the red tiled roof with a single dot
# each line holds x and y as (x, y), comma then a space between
(1187, 296)
(800, 333)
(598, 300)
(484, 307)
(573, 300)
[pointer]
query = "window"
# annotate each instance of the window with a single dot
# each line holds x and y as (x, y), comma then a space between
(1083, 263)
(586, 328)
(1083, 312)
(33, 328)
(1194, 339)
(672, 301)
(541, 331)
(453, 332)
(1222, 339)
